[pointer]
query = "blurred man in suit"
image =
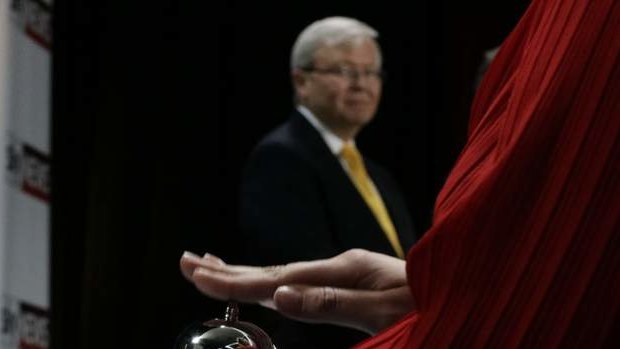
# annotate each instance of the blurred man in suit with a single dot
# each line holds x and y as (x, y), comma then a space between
(307, 192)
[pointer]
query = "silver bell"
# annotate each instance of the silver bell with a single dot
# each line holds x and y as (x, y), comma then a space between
(229, 333)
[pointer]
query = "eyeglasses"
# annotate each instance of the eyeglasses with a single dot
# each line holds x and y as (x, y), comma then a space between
(349, 73)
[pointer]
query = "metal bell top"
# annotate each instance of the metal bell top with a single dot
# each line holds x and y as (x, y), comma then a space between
(229, 333)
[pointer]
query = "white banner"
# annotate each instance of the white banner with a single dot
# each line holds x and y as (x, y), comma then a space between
(25, 39)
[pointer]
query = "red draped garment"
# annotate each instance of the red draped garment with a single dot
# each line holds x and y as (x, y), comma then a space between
(524, 250)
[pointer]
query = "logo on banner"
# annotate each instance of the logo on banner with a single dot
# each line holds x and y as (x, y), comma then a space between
(24, 326)
(35, 17)
(28, 169)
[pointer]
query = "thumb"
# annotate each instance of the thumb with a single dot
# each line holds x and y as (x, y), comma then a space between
(325, 305)
(366, 310)
(307, 302)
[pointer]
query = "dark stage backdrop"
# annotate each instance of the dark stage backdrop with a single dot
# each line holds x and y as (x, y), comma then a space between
(156, 106)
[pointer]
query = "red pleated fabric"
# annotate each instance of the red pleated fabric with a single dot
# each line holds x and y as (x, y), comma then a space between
(524, 251)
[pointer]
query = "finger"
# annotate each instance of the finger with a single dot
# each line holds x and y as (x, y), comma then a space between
(257, 284)
(233, 283)
(353, 269)
(190, 261)
(369, 311)
(213, 258)
(344, 270)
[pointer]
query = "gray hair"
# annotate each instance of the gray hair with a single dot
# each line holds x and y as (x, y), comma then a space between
(331, 31)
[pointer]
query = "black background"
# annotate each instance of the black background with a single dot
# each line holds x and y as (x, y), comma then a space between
(156, 106)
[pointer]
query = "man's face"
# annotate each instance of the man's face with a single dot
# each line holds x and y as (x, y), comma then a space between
(343, 87)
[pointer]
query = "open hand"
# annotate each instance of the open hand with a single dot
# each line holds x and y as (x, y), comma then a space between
(358, 288)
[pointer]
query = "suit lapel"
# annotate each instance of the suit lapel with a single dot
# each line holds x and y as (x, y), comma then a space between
(351, 218)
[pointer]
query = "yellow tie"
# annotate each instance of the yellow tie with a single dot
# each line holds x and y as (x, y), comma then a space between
(362, 182)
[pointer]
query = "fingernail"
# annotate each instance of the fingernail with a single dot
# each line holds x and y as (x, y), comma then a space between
(288, 299)
(268, 303)
(210, 257)
(188, 254)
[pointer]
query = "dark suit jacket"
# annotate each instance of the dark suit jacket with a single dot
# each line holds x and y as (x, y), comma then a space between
(298, 203)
